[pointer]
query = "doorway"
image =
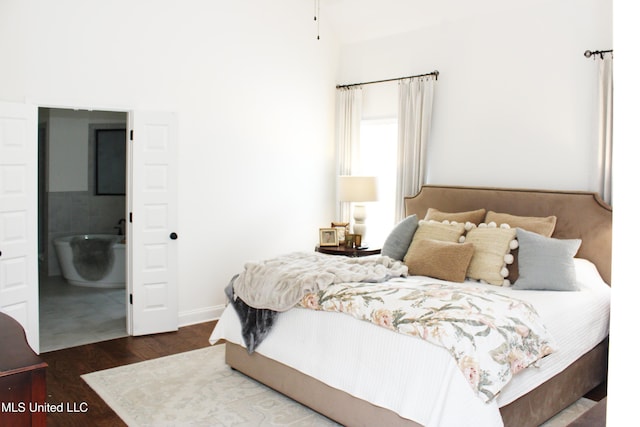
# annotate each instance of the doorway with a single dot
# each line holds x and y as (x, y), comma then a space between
(151, 240)
(81, 192)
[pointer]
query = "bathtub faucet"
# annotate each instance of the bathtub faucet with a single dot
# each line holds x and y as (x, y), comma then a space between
(120, 226)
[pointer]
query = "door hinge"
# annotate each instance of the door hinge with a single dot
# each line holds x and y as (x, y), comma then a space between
(131, 217)
(131, 135)
(130, 298)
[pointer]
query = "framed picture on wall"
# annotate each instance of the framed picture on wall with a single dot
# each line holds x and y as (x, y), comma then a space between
(111, 162)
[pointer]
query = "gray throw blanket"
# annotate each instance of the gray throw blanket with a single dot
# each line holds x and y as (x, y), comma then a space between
(280, 283)
(263, 289)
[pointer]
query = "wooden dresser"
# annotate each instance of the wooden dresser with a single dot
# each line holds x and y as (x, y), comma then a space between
(22, 378)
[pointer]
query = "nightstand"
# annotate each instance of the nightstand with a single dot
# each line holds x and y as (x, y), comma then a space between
(22, 378)
(345, 251)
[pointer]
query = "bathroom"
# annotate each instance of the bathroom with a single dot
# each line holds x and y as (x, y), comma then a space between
(77, 197)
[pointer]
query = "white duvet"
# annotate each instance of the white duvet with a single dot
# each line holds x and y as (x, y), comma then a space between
(418, 380)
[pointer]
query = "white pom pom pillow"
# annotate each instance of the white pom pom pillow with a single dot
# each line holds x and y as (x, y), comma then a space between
(475, 217)
(443, 231)
(493, 246)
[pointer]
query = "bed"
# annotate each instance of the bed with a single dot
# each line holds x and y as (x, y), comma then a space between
(360, 374)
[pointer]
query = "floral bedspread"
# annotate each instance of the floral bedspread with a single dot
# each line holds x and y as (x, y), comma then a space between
(490, 335)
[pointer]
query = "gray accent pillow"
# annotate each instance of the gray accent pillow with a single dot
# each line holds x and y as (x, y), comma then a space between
(546, 263)
(399, 239)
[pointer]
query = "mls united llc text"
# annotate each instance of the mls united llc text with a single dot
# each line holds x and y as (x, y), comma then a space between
(32, 407)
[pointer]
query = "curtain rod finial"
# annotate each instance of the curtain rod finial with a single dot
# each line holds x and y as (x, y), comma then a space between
(587, 54)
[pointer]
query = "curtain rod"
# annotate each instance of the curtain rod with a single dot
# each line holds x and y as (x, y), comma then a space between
(590, 53)
(433, 73)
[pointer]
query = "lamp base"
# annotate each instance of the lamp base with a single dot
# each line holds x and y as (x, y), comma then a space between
(361, 229)
(359, 216)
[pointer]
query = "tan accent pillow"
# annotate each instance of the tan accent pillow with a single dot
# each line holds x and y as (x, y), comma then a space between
(439, 231)
(535, 224)
(442, 260)
(491, 245)
(474, 217)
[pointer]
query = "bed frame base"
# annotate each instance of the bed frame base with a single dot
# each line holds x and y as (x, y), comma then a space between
(330, 402)
(531, 409)
(560, 391)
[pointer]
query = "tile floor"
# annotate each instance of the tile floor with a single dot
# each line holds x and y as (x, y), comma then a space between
(74, 315)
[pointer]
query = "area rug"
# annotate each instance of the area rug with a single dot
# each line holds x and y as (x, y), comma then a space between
(197, 388)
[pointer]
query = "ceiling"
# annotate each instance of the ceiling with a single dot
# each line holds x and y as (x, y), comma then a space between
(358, 20)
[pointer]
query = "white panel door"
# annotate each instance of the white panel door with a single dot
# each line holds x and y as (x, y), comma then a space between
(152, 236)
(19, 217)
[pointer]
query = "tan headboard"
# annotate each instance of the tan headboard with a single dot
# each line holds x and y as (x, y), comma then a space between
(581, 215)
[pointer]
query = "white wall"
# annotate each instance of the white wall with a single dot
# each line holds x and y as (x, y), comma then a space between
(254, 93)
(514, 103)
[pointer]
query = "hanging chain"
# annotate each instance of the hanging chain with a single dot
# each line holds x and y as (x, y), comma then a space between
(316, 16)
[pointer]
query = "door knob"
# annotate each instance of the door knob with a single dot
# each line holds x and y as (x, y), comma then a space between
(173, 236)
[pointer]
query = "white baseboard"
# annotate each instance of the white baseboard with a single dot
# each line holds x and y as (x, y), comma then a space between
(200, 315)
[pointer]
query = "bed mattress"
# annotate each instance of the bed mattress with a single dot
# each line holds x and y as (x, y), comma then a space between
(418, 380)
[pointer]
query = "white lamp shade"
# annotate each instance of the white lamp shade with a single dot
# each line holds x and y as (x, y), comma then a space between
(357, 188)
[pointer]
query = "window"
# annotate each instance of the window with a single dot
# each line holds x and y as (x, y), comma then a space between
(378, 153)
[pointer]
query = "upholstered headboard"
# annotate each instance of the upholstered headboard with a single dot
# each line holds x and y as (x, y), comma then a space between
(581, 215)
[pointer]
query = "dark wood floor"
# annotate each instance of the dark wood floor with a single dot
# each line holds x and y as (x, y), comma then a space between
(64, 384)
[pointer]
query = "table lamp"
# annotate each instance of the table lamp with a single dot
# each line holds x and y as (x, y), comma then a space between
(358, 189)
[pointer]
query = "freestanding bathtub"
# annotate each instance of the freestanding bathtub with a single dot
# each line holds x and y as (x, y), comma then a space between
(109, 270)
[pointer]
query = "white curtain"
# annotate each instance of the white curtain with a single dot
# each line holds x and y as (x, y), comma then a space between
(349, 115)
(414, 124)
(605, 128)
